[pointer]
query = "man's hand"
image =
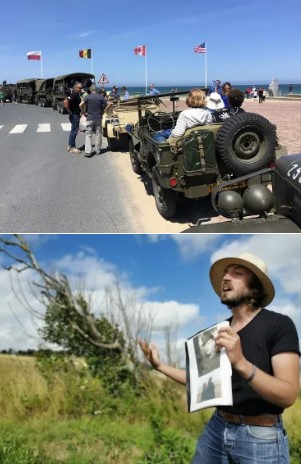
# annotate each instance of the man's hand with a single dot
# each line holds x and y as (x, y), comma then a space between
(228, 339)
(151, 353)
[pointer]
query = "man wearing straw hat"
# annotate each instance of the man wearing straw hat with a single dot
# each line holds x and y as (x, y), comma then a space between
(263, 349)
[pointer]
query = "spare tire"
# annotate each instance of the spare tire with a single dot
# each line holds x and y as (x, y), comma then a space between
(246, 142)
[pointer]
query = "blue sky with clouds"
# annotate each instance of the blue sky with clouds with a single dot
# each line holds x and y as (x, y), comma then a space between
(168, 273)
(246, 41)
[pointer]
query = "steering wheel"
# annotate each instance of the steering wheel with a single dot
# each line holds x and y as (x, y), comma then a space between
(159, 121)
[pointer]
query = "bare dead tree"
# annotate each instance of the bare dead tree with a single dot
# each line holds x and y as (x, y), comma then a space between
(170, 336)
(125, 309)
(48, 286)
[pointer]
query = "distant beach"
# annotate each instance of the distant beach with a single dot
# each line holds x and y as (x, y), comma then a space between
(283, 88)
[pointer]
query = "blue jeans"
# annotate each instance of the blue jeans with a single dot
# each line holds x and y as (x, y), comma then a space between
(224, 443)
(74, 119)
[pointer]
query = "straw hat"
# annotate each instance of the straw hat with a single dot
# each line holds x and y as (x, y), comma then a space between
(214, 101)
(251, 262)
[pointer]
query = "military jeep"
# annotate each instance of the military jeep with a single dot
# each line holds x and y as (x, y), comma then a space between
(121, 114)
(192, 165)
(259, 209)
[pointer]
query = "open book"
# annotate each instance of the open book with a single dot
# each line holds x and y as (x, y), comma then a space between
(208, 372)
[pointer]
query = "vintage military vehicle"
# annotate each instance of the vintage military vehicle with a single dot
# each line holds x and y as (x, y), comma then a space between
(27, 90)
(259, 209)
(122, 114)
(62, 86)
(44, 96)
(192, 165)
(8, 90)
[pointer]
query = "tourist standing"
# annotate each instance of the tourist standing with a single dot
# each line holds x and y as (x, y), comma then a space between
(1, 96)
(260, 94)
(74, 115)
(153, 90)
(93, 107)
(125, 93)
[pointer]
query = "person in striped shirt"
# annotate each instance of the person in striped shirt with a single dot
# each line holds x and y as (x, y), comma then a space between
(195, 115)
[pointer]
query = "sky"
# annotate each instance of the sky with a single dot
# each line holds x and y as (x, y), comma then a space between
(168, 274)
(247, 42)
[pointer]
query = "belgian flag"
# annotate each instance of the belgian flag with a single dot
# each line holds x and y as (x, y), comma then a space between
(85, 53)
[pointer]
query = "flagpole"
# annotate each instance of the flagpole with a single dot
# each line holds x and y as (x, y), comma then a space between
(145, 63)
(91, 61)
(41, 65)
(205, 64)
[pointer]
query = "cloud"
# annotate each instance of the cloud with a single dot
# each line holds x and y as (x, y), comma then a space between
(167, 312)
(18, 328)
(81, 35)
(282, 253)
(191, 246)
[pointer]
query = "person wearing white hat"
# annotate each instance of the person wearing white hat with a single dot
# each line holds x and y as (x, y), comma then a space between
(216, 105)
(263, 348)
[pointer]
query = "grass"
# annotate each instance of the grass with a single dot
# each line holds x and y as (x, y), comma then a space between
(70, 419)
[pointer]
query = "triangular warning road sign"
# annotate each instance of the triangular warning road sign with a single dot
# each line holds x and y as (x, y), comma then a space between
(103, 79)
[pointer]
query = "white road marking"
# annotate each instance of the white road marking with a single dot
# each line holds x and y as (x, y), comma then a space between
(66, 126)
(18, 129)
(44, 128)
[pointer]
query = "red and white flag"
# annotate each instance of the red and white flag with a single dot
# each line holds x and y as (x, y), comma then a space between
(36, 55)
(140, 50)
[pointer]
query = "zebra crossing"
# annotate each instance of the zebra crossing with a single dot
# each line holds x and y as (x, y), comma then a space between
(40, 128)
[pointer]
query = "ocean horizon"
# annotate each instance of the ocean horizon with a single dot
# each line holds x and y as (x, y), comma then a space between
(283, 88)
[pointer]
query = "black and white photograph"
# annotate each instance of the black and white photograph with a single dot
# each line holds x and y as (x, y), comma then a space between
(208, 371)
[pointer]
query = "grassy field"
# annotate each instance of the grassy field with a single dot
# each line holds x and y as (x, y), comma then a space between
(69, 418)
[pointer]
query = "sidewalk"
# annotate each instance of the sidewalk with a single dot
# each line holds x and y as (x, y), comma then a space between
(286, 115)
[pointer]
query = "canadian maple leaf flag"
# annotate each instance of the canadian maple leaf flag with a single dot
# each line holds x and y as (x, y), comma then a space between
(140, 50)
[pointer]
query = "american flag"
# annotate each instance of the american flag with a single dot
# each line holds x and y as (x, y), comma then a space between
(200, 48)
(140, 50)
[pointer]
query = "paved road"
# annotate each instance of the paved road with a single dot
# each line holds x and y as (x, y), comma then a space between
(45, 189)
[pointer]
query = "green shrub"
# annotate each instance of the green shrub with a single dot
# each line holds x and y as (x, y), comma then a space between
(168, 446)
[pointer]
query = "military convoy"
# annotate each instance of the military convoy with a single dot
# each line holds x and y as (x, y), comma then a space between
(44, 95)
(52, 91)
(27, 90)
(62, 86)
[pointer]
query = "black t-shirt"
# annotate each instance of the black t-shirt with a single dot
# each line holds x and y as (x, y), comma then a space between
(268, 334)
(74, 101)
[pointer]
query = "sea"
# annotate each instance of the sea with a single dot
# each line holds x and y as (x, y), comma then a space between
(283, 88)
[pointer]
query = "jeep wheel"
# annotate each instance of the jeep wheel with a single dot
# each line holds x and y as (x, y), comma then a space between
(166, 200)
(136, 166)
(246, 142)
